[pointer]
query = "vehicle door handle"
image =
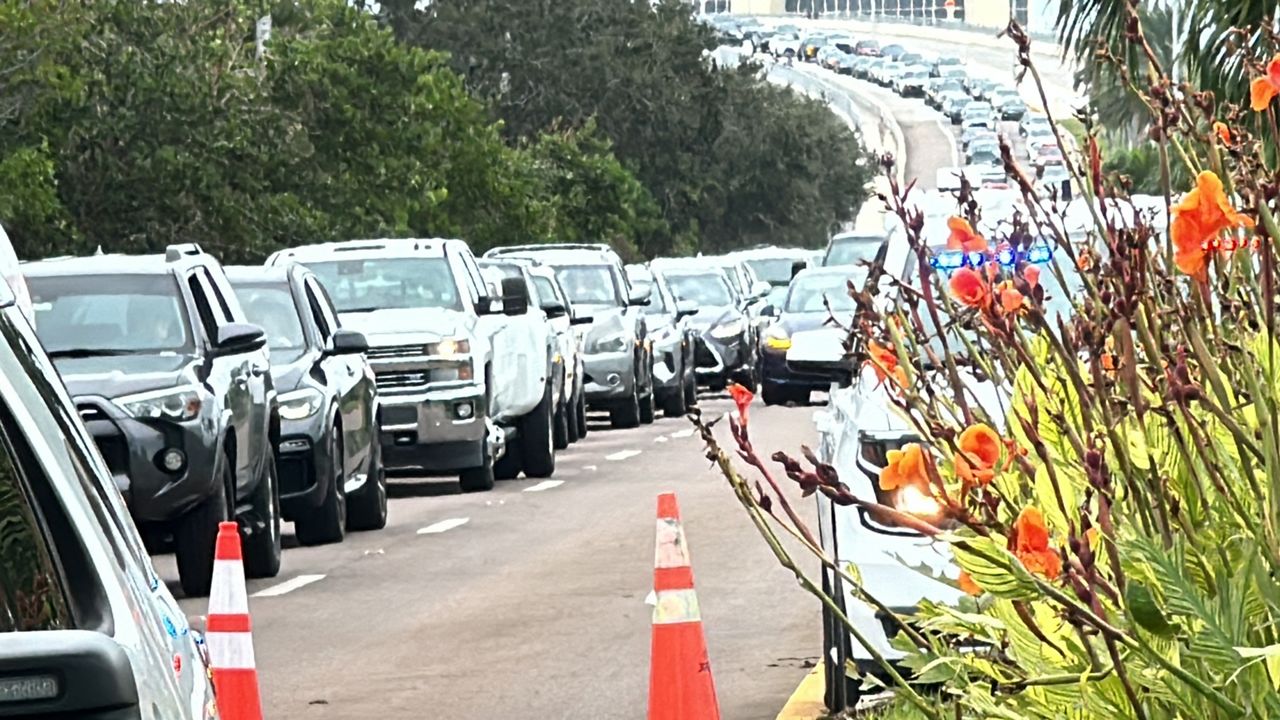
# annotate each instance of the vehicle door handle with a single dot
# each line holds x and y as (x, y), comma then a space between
(258, 370)
(351, 371)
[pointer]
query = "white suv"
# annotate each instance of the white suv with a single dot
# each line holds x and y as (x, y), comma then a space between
(87, 629)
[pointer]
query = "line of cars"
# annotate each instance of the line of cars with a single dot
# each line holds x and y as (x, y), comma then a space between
(978, 107)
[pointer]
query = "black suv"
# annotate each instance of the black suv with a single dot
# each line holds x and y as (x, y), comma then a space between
(174, 385)
(331, 474)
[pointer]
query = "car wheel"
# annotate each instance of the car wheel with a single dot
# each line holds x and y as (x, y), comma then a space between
(367, 507)
(674, 404)
(196, 533)
(561, 427)
(647, 410)
(537, 441)
(627, 414)
(262, 546)
(479, 479)
(328, 523)
(772, 393)
(580, 415)
(691, 391)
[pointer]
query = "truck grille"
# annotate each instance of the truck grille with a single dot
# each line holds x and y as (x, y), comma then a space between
(396, 352)
(408, 380)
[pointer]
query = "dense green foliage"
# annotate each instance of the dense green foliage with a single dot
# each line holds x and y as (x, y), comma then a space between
(130, 125)
(729, 158)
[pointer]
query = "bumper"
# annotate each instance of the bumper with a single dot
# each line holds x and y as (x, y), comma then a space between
(774, 369)
(301, 460)
(668, 366)
(717, 359)
(132, 449)
(608, 377)
(428, 431)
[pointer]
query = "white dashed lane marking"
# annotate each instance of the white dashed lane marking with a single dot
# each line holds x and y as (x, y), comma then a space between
(682, 434)
(544, 485)
(443, 526)
(288, 586)
(589, 468)
(622, 455)
(660, 439)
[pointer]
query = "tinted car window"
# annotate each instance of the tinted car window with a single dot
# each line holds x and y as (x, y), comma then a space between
(775, 271)
(272, 307)
(657, 301)
(546, 289)
(853, 250)
(126, 313)
(811, 294)
(589, 284)
(400, 283)
(32, 597)
(701, 288)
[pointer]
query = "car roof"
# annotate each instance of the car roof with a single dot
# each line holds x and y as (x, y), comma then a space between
(813, 272)
(556, 256)
(261, 273)
(112, 264)
(764, 253)
(372, 248)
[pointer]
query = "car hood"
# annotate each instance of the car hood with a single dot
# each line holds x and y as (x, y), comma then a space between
(709, 317)
(118, 375)
(803, 322)
(407, 326)
(288, 367)
(878, 414)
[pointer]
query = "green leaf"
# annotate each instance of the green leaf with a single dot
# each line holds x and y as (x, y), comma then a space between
(995, 569)
(1144, 609)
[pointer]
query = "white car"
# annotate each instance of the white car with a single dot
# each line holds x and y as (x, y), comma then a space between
(13, 276)
(897, 565)
(87, 629)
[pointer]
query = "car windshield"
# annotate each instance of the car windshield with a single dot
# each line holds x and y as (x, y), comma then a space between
(775, 271)
(853, 250)
(272, 307)
(812, 293)
(984, 158)
(702, 289)
(110, 314)
(399, 283)
(590, 285)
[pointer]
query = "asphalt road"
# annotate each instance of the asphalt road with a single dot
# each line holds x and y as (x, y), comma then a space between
(529, 601)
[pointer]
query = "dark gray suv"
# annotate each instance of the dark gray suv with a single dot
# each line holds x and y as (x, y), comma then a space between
(175, 387)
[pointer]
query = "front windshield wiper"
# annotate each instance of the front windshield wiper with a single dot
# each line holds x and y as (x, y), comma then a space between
(90, 352)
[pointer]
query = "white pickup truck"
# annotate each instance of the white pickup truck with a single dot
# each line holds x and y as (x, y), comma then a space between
(438, 339)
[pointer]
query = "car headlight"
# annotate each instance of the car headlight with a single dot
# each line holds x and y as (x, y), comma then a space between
(300, 404)
(729, 329)
(614, 342)
(776, 338)
(449, 347)
(911, 499)
(176, 404)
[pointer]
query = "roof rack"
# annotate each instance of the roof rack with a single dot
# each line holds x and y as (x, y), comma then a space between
(176, 252)
(512, 249)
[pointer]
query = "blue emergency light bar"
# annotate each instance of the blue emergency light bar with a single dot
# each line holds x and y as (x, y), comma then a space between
(1008, 257)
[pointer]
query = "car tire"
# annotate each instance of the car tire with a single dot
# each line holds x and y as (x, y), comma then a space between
(674, 405)
(196, 533)
(367, 507)
(772, 393)
(562, 436)
(537, 439)
(479, 479)
(580, 415)
(691, 392)
(328, 522)
(627, 414)
(647, 410)
(262, 550)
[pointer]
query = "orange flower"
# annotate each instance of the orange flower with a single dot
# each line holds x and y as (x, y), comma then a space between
(1222, 131)
(1264, 89)
(1201, 216)
(742, 397)
(969, 288)
(883, 359)
(968, 585)
(1010, 298)
(963, 237)
(906, 467)
(979, 452)
(1032, 544)
(1032, 275)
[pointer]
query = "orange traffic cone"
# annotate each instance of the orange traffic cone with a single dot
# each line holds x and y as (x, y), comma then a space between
(227, 634)
(680, 683)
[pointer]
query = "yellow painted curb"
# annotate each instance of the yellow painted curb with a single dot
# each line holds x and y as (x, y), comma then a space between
(806, 702)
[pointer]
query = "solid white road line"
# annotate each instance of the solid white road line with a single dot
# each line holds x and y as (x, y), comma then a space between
(544, 485)
(660, 438)
(590, 468)
(443, 526)
(622, 455)
(288, 586)
(682, 433)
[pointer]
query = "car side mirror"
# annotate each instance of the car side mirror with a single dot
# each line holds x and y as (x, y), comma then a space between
(235, 338)
(348, 342)
(582, 320)
(554, 310)
(515, 296)
(685, 308)
(769, 311)
(80, 673)
(640, 295)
